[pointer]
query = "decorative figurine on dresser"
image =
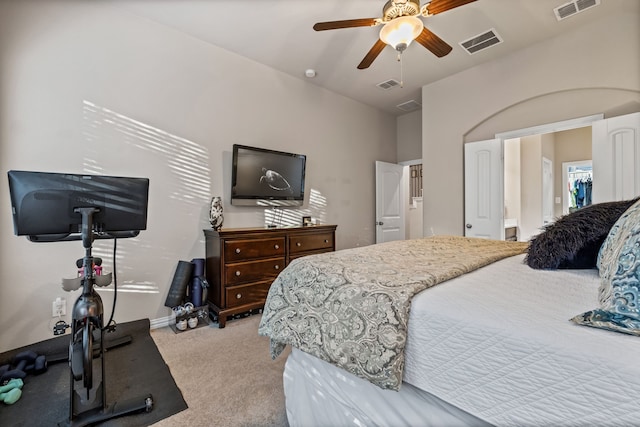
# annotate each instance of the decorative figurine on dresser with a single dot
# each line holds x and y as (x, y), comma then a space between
(242, 263)
(216, 218)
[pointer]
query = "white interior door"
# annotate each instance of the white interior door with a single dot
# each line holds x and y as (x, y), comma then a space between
(547, 191)
(391, 199)
(616, 158)
(484, 189)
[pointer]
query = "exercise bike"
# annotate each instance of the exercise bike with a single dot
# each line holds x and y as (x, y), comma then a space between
(88, 401)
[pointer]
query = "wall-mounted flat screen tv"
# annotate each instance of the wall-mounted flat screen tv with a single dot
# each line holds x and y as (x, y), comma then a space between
(262, 177)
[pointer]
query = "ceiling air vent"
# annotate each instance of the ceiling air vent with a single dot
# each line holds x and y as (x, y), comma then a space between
(388, 84)
(569, 9)
(481, 41)
(409, 106)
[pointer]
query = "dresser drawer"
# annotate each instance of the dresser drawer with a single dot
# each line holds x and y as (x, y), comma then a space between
(248, 293)
(241, 272)
(236, 250)
(303, 254)
(310, 242)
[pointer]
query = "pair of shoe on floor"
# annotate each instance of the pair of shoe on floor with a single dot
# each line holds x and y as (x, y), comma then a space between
(11, 392)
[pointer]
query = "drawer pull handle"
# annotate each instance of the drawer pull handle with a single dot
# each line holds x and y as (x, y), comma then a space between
(276, 246)
(238, 296)
(326, 240)
(237, 250)
(277, 267)
(298, 244)
(238, 273)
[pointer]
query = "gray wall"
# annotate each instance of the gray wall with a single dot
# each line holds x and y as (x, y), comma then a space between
(86, 87)
(410, 136)
(592, 70)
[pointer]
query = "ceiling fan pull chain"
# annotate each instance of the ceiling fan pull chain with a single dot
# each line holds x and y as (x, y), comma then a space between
(401, 70)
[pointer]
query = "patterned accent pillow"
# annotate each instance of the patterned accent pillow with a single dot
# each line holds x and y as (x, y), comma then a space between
(606, 253)
(619, 265)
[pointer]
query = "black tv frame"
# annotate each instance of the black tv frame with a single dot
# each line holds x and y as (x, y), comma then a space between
(267, 197)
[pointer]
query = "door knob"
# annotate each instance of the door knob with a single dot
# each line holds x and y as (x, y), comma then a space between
(469, 225)
(379, 223)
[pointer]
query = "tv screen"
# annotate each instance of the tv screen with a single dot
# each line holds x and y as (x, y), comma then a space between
(43, 204)
(262, 177)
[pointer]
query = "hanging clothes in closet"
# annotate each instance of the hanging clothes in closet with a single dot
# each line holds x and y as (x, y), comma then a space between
(580, 187)
(582, 192)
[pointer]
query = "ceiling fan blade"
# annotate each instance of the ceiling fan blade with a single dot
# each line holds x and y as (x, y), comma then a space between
(372, 55)
(434, 43)
(439, 6)
(349, 23)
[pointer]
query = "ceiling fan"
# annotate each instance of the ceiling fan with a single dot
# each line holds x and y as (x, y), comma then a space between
(401, 27)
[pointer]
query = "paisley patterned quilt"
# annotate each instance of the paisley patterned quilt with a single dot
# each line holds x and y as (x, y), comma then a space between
(351, 307)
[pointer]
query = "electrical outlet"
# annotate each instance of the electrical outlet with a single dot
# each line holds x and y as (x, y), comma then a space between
(59, 307)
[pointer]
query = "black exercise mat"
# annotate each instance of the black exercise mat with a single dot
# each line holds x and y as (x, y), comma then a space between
(132, 370)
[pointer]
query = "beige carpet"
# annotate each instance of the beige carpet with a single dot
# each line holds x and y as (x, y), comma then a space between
(226, 375)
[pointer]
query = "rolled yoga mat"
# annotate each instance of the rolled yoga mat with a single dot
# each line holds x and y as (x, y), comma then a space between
(195, 290)
(181, 280)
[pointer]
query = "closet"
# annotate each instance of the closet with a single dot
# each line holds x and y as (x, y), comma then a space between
(579, 186)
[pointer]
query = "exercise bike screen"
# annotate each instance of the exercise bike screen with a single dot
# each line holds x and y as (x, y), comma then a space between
(44, 203)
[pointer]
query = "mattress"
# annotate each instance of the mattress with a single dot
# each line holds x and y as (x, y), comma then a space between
(320, 394)
(497, 344)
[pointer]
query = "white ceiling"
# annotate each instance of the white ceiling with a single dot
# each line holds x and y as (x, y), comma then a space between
(279, 33)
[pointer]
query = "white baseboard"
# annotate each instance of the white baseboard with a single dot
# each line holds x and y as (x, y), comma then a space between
(161, 322)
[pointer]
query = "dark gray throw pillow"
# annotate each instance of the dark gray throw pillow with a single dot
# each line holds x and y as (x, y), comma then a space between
(573, 240)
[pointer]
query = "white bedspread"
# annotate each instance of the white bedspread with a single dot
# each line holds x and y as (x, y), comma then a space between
(319, 394)
(498, 343)
(351, 307)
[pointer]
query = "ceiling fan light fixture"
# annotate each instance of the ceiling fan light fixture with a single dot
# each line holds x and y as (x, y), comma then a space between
(400, 32)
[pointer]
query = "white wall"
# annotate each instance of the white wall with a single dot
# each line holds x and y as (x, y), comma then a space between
(530, 186)
(592, 70)
(409, 136)
(86, 87)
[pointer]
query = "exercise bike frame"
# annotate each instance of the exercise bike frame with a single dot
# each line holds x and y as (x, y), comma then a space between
(88, 400)
(86, 319)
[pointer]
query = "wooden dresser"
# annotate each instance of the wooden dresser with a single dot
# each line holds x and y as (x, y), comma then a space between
(241, 263)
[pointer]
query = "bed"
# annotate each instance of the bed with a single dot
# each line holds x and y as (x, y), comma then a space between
(477, 338)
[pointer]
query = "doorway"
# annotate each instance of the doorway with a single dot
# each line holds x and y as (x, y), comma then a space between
(574, 174)
(524, 201)
(615, 153)
(413, 218)
(534, 181)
